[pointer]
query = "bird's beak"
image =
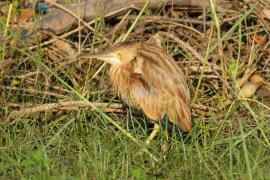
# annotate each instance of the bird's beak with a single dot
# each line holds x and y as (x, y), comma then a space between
(111, 58)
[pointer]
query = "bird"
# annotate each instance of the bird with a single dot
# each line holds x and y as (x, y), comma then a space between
(146, 77)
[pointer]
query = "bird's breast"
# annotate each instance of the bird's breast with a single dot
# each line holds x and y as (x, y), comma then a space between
(121, 81)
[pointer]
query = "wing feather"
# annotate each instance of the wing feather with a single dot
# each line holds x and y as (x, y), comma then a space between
(163, 75)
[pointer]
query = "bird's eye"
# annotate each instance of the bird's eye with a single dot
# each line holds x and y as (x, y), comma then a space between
(118, 56)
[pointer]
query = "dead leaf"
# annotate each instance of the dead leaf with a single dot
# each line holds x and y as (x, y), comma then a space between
(266, 12)
(246, 76)
(66, 48)
(264, 91)
(256, 79)
(260, 38)
(26, 14)
(248, 89)
(251, 86)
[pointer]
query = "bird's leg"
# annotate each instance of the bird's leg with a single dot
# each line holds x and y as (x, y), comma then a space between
(153, 133)
(156, 129)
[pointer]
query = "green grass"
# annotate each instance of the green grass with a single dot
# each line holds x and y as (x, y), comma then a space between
(76, 146)
(84, 144)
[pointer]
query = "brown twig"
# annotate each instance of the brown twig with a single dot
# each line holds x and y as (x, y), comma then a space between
(34, 91)
(169, 19)
(184, 45)
(67, 105)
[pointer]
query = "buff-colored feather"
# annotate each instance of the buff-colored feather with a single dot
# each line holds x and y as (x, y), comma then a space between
(149, 79)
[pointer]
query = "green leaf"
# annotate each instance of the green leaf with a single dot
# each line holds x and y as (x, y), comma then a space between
(27, 163)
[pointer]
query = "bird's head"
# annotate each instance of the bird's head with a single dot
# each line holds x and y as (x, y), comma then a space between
(118, 54)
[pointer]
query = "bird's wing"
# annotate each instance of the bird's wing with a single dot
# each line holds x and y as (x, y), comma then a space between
(165, 82)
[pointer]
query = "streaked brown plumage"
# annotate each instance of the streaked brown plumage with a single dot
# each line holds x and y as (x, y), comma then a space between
(149, 79)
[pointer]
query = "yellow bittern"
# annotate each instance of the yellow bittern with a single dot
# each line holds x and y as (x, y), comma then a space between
(150, 80)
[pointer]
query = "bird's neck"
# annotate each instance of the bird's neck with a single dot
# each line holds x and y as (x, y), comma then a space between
(121, 79)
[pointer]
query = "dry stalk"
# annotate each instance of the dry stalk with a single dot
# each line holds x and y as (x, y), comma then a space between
(34, 91)
(67, 105)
